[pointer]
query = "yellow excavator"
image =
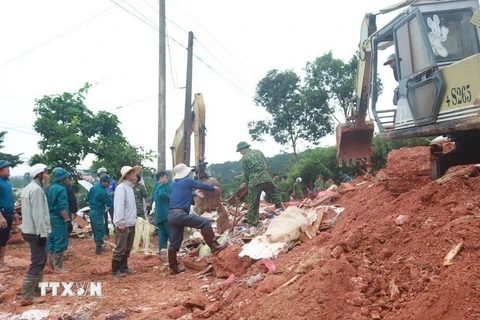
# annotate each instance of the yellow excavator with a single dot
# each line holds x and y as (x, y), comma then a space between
(435, 58)
(181, 154)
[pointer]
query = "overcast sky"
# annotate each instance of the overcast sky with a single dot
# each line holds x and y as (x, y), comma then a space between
(53, 46)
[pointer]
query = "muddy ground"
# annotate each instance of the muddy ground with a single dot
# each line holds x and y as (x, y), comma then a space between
(383, 259)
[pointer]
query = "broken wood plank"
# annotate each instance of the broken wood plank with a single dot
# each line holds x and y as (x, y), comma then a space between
(289, 282)
(82, 223)
(448, 261)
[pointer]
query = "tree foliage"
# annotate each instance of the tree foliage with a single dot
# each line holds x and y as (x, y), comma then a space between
(14, 159)
(297, 113)
(70, 131)
(336, 78)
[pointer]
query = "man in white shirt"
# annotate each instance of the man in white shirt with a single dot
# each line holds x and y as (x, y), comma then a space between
(124, 219)
(35, 229)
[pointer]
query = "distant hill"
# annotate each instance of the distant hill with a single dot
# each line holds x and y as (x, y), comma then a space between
(225, 171)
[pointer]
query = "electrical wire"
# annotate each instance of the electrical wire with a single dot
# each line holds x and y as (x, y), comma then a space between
(56, 37)
(251, 92)
(172, 65)
(154, 27)
(9, 128)
(218, 42)
(153, 23)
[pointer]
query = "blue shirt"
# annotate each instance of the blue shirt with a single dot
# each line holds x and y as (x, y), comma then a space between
(98, 199)
(57, 199)
(6, 197)
(181, 192)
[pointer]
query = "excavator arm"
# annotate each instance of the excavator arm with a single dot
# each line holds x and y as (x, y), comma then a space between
(354, 138)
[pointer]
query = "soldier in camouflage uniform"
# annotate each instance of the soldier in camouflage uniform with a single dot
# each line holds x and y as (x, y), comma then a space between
(140, 194)
(257, 178)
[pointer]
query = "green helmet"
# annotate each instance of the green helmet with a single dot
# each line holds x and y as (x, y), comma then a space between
(60, 174)
(242, 145)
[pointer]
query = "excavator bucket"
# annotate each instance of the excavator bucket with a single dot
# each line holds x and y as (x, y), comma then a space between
(354, 142)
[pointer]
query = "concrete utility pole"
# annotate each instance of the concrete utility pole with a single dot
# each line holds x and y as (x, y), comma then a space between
(187, 126)
(162, 91)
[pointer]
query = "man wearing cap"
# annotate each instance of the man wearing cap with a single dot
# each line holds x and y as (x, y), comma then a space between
(392, 62)
(125, 217)
(179, 217)
(110, 191)
(35, 229)
(257, 179)
(7, 215)
(57, 200)
(98, 201)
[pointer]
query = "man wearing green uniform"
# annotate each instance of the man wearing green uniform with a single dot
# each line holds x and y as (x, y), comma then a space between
(298, 189)
(161, 197)
(140, 194)
(319, 184)
(257, 178)
(57, 200)
(99, 200)
(284, 189)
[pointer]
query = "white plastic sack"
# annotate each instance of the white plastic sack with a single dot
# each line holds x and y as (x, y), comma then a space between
(286, 227)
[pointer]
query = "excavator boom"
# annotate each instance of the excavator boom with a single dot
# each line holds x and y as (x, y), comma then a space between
(354, 138)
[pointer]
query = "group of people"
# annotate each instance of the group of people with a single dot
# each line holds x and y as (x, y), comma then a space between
(46, 222)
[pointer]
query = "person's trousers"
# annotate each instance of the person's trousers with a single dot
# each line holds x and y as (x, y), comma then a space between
(5, 232)
(253, 199)
(163, 231)
(98, 227)
(124, 243)
(58, 239)
(38, 254)
(105, 215)
(177, 221)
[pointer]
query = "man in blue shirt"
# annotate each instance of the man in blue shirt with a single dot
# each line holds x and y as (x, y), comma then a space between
(179, 215)
(7, 216)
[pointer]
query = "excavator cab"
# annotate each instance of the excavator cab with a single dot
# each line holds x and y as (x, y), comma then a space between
(436, 64)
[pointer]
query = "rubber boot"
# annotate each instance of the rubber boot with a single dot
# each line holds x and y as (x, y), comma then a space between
(116, 268)
(58, 262)
(50, 260)
(172, 262)
(124, 264)
(209, 237)
(38, 279)
(99, 250)
(28, 289)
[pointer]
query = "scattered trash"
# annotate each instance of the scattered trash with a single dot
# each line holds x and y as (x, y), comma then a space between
(250, 281)
(261, 248)
(269, 264)
(229, 280)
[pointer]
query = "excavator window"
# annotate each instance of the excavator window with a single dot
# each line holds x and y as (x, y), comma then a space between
(451, 34)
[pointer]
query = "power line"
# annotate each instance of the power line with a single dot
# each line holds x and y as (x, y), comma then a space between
(223, 65)
(9, 128)
(16, 125)
(56, 37)
(218, 42)
(151, 26)
(226, 79)
(175, 83)
(163, 15)
(153, 23)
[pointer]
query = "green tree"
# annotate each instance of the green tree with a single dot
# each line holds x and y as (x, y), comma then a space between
(14, 159)
(335, 77)
(297, 113)
(70, 131)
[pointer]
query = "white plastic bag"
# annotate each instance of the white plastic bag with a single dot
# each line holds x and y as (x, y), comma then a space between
(286, 227)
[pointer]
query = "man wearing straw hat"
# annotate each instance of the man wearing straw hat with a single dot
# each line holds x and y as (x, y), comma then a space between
(179, 215)
(125, 217)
